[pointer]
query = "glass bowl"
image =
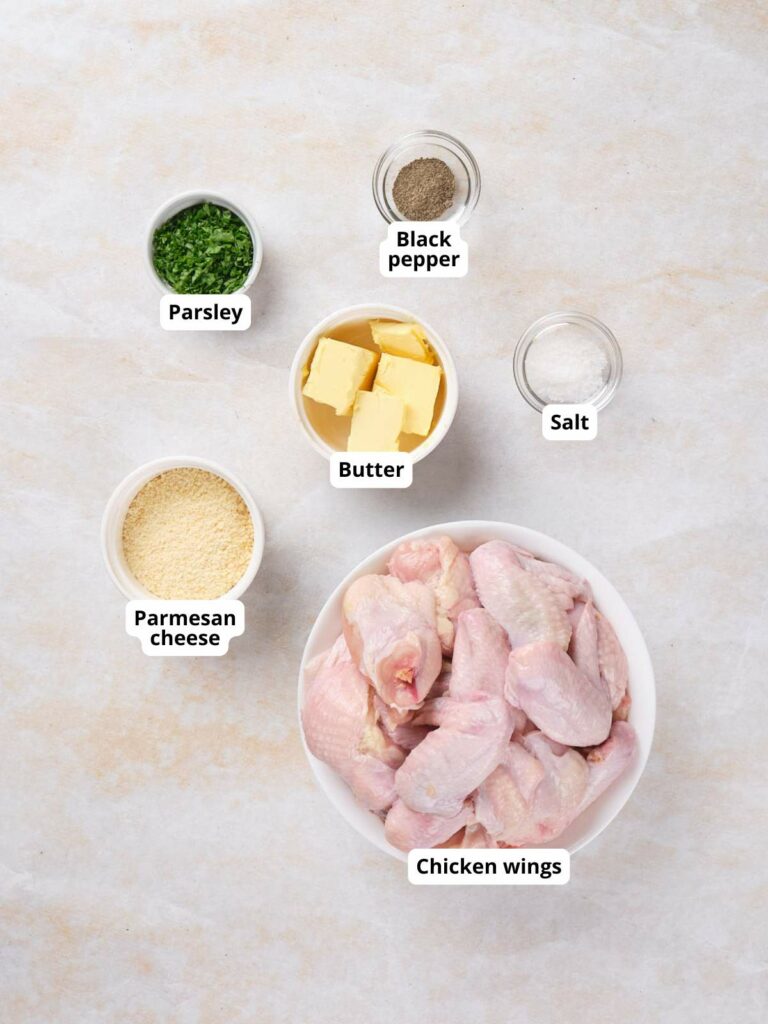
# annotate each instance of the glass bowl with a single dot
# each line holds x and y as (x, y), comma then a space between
(428, 144)
(590, 325)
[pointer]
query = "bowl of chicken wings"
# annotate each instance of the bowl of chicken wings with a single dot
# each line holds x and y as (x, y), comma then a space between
(476, 684)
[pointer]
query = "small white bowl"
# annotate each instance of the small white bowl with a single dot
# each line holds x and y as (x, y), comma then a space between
(366, 312)
(468, 535)
(123, 495)
(192, 198)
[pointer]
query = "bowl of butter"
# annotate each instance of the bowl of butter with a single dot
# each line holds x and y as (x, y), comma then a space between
(374, 378)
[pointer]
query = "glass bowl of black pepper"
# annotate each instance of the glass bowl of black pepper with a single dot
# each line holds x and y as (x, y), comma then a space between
(412, 180)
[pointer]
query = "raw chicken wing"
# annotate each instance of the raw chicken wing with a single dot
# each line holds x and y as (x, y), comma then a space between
(480, 657)
(475, 837)
(399, 725)
(596, 650)
(560, 699)
(535, 794)
(612, 660)
(444, 568)
(340, 728)
(503, 802)
(518, 600)
(566, 587)
(391, 632)
(583, 647)
(454, 759)
(410, 830)
(542, 786)
(607, 762)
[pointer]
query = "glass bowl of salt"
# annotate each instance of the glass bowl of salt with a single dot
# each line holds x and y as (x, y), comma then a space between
(567, 358)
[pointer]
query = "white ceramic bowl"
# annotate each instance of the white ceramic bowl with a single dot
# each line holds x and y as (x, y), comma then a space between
(123, 495)
(468, 535)
(192, 198)
(366, 312)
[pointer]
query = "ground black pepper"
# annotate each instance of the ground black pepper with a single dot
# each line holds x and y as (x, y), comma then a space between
(424, 189)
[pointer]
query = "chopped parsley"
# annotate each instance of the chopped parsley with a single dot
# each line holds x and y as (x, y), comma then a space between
(203, 250)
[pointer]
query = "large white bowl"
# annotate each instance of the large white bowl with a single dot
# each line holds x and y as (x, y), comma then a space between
(468, 535)
(372, 312)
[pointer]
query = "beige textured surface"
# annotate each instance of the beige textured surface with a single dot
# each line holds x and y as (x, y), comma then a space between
(165, 856)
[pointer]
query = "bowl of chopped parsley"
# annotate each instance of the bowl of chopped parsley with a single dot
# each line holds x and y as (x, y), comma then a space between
(200, 243)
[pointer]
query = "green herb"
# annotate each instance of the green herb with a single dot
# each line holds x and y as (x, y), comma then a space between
(203, 250)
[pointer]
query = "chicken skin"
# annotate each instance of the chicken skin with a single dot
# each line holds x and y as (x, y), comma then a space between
(480, 656)
(518, 600)
(444, 568)
(340, 728)
(583, 648)
(480, 659)
(596, 650)
(411, 830)
(542, 786)
(391, 631)
(453, 760)
(566, 587)
(558, 697)
(534, 795)
(612, 660)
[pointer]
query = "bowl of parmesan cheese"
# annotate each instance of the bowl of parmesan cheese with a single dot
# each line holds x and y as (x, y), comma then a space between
(182, 528)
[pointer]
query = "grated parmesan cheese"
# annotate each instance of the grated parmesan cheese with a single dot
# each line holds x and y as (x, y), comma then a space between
(187, 535)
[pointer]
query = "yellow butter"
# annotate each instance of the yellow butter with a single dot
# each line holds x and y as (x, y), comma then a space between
(406, 340)
(338, 372)
(377, 421)
(415, 384)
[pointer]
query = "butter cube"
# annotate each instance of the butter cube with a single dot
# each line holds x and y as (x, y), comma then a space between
(338, 372)
(406, 340)
(377, 421)
(415, 384)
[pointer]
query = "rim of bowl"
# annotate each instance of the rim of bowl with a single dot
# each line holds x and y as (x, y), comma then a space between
(366, 311)
(424, 135)
(621, 618)
(122, 496)
(615, 359)
(183, 200)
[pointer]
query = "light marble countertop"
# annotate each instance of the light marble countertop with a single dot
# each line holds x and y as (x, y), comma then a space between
(165, 855)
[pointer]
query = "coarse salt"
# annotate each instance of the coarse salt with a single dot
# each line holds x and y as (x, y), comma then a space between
(566, 364)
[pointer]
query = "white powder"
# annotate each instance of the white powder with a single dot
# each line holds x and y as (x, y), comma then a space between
(566, 364)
